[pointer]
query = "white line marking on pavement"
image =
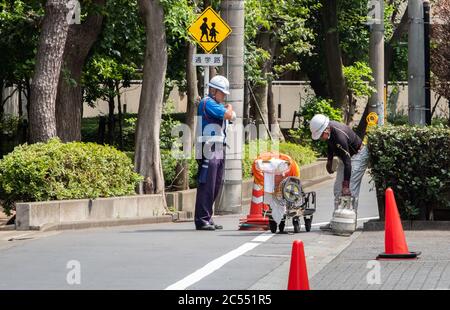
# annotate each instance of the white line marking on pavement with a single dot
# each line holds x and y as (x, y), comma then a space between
(263, 237)
(219, 262)
(228, 257)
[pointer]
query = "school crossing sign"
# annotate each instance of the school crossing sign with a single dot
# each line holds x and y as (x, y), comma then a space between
(209, 30)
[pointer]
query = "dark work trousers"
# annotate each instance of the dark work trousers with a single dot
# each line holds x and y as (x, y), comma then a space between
(209, 182)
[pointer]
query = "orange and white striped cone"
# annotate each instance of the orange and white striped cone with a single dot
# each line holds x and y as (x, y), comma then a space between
(256, 220)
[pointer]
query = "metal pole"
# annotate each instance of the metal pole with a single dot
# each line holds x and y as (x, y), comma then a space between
(230, 199)
(376, 60)
(206, 80)
(426, 26)
(416, 64)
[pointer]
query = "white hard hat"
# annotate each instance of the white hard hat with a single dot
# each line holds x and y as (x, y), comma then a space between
(221, 83)
(317, 125)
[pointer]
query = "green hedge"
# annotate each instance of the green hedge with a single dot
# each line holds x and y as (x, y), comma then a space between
(415, 162)
(56, 171)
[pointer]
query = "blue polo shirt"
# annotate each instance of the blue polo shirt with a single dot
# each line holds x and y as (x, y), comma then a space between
(211, 112)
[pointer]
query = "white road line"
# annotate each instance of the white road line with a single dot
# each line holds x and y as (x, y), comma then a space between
(228, 257)
(219, 262)
(263, 237)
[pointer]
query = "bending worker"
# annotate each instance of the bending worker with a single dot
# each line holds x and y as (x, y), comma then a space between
(352, 153)
(213, 116)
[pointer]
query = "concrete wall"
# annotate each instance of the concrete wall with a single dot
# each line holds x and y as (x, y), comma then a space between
(34, 215)
(130, 101)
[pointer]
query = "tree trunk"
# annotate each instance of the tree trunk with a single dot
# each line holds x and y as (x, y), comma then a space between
(120, 114)
(111, 118)
(182, 170)
(275, 129)
(1, 99)
(336, 81)
(272, 110)
(69, 99)
(362, 126)
(261, 91)
(48, 64)
(448, 102)
(401, 29)
(192, 89)
(147, 158)
(318, 84)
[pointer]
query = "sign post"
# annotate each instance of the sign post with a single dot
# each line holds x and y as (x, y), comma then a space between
(208, 30)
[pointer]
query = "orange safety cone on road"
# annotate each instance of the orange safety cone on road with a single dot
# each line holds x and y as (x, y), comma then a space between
(256, 220)
(394, 238)
(298, 273)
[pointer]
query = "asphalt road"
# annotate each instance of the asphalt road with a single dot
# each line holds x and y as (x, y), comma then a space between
(172, 255)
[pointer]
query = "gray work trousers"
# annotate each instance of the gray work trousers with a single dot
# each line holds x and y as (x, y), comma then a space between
(360, 161)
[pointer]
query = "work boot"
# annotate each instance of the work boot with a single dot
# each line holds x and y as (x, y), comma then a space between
(217, 226)
(206, 227)
(326, 227)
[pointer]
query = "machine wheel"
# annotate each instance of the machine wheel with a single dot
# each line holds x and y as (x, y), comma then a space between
(308, 223)
(281, 226)
(296, 224)
(273, 226)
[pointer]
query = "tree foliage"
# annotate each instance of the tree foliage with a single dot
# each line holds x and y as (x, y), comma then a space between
(440, 53)
(285, 22)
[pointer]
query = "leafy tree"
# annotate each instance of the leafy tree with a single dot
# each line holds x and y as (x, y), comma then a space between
(19, 32)
(275, 36)
(357, 78)
(117, 57)
(80, 39)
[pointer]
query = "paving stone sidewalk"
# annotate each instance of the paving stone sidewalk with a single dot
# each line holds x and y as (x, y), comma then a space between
(350, 269)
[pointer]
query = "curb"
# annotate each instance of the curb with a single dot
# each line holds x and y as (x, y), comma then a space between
(8, 227)
(106, 223)
(409, 225)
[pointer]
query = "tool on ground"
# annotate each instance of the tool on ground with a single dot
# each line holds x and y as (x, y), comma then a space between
(284, 197)
(344, 219)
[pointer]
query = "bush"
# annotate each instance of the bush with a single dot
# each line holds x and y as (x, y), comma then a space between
(415, 163)
(303, 155)
(313, 106)
(56, 171)
(169, 164)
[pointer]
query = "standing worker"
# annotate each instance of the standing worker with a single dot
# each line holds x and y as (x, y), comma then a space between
(213, 115)
(353, 154)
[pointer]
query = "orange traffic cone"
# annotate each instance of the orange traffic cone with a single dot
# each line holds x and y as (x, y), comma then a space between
(298, 274)
(394, 238)
(256, 219)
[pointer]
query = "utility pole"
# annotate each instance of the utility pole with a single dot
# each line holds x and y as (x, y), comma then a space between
(376, 58)
(230, 199)
(416, 63)
(426, 27)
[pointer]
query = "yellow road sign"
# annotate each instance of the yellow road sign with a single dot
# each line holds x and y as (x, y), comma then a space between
(372, 119)
(209, 30)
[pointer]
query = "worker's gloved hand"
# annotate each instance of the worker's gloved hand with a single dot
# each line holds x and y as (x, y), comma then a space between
(330, 166)
(346, 188)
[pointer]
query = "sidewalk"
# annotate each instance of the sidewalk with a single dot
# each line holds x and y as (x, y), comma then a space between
(349, 270)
